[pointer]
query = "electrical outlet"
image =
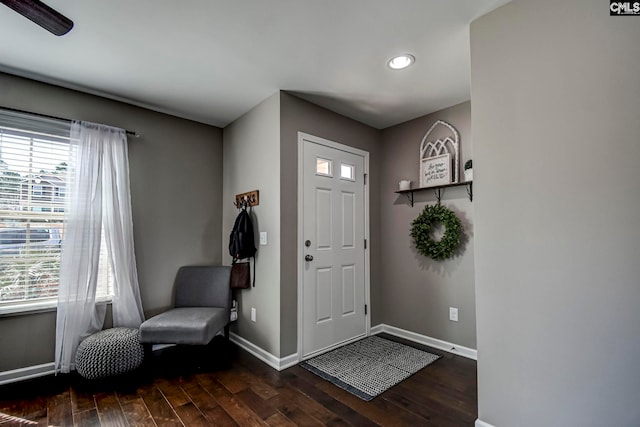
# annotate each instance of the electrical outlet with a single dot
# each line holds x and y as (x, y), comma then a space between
(453, 314)
(263, 238)
(253, 314)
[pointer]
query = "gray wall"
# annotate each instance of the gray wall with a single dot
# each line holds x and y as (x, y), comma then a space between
(176, 191)
(555, 127)
(298, 115)
(252, 162)
(416, 291)
(261, 152)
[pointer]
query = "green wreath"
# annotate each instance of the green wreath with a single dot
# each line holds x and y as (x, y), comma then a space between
(422, 226)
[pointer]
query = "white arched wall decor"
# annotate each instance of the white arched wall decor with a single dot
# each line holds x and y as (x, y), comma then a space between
(446, 145)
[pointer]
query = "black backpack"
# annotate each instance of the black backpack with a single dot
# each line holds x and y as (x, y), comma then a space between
(242, 240)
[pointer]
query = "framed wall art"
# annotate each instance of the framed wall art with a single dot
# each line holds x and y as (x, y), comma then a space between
(435, 170)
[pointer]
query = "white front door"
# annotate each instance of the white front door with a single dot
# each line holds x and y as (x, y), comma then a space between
(333, 236)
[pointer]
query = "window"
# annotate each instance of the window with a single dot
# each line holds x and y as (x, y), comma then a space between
(323, 167)
(34, 154)
(347, 172)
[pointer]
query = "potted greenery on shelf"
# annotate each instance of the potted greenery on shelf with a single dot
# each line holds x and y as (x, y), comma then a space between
(468, 170)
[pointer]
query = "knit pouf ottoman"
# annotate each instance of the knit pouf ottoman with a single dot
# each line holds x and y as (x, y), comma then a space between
(110, 352)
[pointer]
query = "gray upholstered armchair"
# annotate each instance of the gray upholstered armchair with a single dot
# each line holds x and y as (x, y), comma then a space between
(202, 308)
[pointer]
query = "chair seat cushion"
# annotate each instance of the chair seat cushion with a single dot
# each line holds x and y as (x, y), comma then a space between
(184, 325)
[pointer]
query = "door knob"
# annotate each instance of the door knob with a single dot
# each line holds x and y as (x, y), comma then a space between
(308, 258)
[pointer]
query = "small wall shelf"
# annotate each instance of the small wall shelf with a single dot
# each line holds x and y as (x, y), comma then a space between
(438, 190)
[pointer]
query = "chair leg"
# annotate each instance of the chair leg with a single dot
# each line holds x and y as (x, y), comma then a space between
(148, 350)
(148, 355)
(226, 332)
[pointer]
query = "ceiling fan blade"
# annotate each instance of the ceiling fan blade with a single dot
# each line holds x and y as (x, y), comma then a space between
(43, 15)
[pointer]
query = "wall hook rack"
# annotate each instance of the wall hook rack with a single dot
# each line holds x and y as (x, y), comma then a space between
(248, 199)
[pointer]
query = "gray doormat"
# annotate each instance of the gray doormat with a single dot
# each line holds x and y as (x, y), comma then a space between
(370, 366)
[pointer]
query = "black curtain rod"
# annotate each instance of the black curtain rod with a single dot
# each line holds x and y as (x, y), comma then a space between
(129, 132)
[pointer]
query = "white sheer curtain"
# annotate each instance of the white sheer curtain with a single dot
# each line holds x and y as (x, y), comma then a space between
(99, 198)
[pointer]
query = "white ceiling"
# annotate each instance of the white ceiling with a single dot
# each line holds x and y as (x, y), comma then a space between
(213, 60)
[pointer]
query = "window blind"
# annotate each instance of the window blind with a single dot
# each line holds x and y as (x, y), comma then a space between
(36, 164)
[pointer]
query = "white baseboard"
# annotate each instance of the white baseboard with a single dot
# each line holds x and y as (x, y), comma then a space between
(280, 364)
(480, 423)
(275, 362)
(460, 350)
(29, 372)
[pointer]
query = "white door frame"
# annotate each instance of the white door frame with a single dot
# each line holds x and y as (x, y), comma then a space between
(321, 141)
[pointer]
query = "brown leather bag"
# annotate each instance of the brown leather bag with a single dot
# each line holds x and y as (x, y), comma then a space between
(240, 275)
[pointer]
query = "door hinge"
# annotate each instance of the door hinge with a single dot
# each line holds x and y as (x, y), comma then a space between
(365, 243)
(365, 178)
(365, 309)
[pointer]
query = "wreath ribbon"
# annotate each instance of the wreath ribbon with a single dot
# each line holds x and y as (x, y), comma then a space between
(423, 225)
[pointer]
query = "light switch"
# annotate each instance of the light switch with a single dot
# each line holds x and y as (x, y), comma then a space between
(263, 238)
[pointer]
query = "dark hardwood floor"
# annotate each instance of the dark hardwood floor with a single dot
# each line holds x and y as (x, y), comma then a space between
(225, 386)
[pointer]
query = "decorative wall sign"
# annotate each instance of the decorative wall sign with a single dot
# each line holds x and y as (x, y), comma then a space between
(435, 170)
(440, 139)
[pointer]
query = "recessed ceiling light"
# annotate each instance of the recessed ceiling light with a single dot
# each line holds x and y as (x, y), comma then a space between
(401, 61)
